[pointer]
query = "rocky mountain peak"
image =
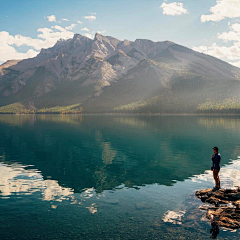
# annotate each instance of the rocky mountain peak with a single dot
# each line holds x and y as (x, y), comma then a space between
(60, 40)
(104, 46)
(77, 35)
(97, 36)
(106, 40)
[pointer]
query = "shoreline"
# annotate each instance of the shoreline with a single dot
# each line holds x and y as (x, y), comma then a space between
(140, 114)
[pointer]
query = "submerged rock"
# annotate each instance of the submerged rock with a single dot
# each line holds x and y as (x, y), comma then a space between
(226, 212)
(142, 205)
(112, 201)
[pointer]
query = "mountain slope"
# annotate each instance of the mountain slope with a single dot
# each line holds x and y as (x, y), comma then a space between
(105, 74)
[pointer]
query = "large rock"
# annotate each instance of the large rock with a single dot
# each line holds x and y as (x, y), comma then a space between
(221, 214)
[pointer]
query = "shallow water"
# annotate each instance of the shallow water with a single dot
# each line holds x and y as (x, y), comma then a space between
(111, 177)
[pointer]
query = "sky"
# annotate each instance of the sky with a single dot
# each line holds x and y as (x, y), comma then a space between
(208, 26)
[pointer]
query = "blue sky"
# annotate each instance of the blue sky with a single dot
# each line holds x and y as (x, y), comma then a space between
(209, 26)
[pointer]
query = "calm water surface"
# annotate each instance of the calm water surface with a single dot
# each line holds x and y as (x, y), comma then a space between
(111, 177)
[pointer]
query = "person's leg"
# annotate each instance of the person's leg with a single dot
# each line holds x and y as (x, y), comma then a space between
(218, 179)
(215, 178)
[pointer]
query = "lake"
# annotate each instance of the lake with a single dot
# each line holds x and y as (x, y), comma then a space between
(112, 176)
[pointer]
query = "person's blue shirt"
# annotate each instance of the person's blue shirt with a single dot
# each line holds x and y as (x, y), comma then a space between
(216, 161)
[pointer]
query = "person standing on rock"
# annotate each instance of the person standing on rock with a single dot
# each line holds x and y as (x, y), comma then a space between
(216, 158)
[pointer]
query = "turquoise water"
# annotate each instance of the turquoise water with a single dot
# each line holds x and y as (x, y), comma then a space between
(111, 177)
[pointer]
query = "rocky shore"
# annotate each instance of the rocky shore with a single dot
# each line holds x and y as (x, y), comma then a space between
(224, 210)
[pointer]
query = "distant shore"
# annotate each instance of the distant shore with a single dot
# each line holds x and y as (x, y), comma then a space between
(143, 114)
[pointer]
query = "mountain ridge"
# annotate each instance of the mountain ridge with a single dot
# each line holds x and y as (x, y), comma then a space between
(105, 74)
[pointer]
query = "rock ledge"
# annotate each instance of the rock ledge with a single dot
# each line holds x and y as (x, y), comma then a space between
(226, 210)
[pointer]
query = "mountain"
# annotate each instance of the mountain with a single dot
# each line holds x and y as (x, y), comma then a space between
(105, 75)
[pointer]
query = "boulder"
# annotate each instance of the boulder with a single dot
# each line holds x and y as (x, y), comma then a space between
(222, 215)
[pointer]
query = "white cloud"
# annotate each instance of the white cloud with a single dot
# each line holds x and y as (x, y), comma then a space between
(51, 35)
(173, 9)
(51, 18)
(231, 53)
(89, 35)
(79, 22)
(85, 29)
(222, 52)
(64, 19)
(71, 26)
(223, 9)
(61, 29)
(46, 38)
(90, 18)
(101, 32)
(232, 35)
(8, 53)
(94, 13)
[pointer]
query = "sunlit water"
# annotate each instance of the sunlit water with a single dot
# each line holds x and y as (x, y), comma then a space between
(112, 177)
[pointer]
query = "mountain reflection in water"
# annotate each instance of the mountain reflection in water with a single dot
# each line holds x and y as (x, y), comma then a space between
(137, 174)
(104, 152)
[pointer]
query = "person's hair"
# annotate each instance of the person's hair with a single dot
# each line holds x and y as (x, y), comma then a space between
(215, 148)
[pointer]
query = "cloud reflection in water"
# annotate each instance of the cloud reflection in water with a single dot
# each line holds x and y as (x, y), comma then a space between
(229, 175)
(15, 179)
